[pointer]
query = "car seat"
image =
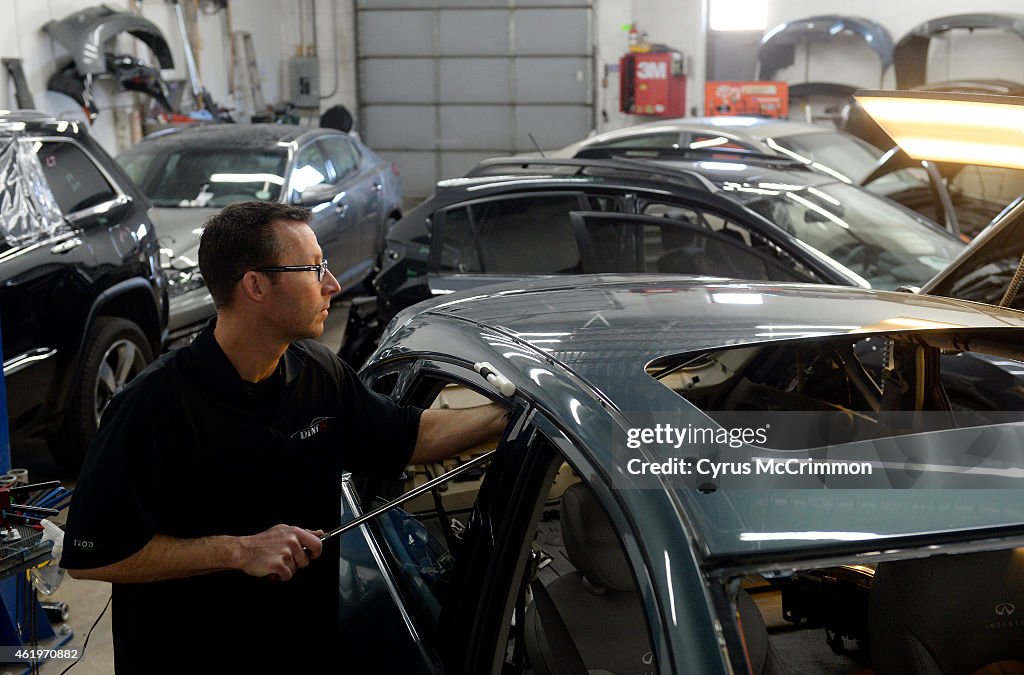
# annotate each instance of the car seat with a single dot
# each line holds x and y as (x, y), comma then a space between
(600, 607)
(949, 614)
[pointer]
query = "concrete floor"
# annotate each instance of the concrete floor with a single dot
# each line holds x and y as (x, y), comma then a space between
(86, 599)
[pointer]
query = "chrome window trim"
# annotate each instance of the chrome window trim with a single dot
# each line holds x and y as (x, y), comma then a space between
(106, 206)
(23, 361)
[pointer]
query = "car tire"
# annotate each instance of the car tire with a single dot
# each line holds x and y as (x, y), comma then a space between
(115, 351)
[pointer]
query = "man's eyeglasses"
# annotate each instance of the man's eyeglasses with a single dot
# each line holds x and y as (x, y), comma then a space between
(321, 269)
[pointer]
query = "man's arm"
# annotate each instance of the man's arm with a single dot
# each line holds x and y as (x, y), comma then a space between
(443, 433)
(279, 551)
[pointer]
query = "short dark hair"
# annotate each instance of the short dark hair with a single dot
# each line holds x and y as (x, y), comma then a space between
(240, 238)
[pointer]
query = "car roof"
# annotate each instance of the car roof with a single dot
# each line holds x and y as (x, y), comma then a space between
(654, 172)
(756, 127)
(580, 347)
(599, 316)
(34, 120)
(235, 135)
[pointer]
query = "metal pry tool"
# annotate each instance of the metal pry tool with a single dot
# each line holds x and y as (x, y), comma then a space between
(415, 492)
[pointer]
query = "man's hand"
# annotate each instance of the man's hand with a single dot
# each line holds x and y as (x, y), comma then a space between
(446, 432)
(279, 552)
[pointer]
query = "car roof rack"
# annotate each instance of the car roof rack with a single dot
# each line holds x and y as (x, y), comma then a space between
(499, 166)
(691, 154)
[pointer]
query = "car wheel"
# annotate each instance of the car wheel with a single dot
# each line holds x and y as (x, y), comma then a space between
(115, 351)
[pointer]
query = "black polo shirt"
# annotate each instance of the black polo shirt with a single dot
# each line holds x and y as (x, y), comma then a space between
(189, 449)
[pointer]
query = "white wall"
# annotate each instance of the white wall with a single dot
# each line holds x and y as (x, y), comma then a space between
(22, 37)
(282, 29)
(679, 24)
(675, 23)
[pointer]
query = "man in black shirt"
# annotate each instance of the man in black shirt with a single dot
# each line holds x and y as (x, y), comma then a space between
(212, 471)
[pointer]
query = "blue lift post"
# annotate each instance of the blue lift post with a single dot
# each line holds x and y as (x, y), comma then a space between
(22, 621)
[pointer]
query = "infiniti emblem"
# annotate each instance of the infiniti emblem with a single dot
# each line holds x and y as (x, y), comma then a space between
(1005, 609)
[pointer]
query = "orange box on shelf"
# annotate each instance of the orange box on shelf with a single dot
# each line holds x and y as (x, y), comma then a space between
(769, 99)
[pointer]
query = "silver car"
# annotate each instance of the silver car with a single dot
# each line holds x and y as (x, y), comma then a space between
(190, 174)
(829, 150)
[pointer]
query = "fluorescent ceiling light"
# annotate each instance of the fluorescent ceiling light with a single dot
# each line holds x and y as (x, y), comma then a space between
(943, 127)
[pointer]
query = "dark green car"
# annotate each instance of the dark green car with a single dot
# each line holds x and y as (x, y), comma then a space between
(697, 477)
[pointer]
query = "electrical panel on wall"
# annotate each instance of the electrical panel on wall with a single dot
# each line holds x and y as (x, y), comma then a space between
(304, 82)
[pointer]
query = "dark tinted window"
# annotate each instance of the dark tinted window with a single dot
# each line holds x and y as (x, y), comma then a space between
(524, 235)
(743, 256)
(613, 203)
(687, 246)
(664, 140)
(458, 246)
(76, 182)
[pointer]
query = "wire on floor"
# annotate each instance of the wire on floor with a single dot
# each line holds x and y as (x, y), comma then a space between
(87, 636)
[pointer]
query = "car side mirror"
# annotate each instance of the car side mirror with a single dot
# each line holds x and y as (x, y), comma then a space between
(101, 214)
(317, 194)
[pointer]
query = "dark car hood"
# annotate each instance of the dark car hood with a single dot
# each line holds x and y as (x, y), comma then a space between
(178, 232)
(910, 56)
(778, 46)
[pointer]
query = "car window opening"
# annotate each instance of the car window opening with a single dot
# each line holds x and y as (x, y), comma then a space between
(424, 534)
(868, 387)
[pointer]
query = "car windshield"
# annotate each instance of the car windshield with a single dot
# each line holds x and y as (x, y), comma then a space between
(848, 155)
(886, 245)
(205, 177)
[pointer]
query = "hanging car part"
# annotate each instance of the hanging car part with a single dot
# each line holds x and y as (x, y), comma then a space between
(85, 35)
(22, 94)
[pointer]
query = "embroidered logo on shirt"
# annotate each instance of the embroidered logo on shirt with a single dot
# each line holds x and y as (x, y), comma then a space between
(316, 426)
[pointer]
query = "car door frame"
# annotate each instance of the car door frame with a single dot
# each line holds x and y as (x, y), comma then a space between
(414, 373)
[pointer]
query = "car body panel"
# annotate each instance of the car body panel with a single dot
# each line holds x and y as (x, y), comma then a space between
(85, 34)
(910, 56)
(777, 47)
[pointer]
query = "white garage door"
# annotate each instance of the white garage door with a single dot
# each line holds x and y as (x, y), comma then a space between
(446, 83)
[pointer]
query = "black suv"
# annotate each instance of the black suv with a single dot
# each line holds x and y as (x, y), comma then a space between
(83, 304)
(730, 214)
